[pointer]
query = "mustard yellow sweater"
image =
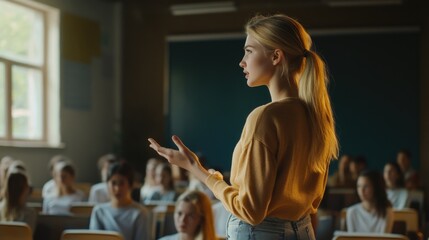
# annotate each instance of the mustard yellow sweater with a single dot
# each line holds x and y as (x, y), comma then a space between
(271, 175)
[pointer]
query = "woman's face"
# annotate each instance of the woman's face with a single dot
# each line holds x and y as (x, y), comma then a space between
(162, 177)
(119, 187)
(64, 178)
(390, 176)
(256, 63)
(186, 218)
(365, 189)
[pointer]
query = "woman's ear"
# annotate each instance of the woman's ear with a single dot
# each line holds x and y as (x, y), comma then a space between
(277, 56)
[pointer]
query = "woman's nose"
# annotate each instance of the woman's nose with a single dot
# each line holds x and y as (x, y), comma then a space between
(241, 63)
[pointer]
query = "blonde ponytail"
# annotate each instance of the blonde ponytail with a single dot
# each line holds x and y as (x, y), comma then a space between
(313, 89)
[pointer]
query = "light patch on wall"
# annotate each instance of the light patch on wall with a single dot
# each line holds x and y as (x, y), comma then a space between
(80, 38)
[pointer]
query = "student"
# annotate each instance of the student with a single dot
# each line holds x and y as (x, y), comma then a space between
(149, 185)
(4, 165)
(165, 191)
(99, 192)
(374, 213)
(411, 177)
(342, 177)
(395, 187)
(65, 193)
(49, 188)
(193, 218)
(15, 192)
(280, 164)
(121, 214)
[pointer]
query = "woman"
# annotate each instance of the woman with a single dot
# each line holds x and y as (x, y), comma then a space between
(193, 218)
(65, 193)
(121, 214)
(374, 213)
(15, 192)
(395, 186)
(279, 166)
(149, 185)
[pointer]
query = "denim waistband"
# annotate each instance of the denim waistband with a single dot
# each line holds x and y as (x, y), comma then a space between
(304, 221)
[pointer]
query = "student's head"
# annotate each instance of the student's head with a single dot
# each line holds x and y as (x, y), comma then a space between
(151, 171)
(4, 165)
(393, 176)
(371, 189)
(164, 176)
(120, 180)
(344, 162)
(278, 48)
(64, 174)
(193, 215)
(357, 165)
(403, 158)
(54, 160)
(103, 165)
(16, 188)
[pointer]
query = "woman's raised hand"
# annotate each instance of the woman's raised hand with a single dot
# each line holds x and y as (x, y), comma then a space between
(183, 157)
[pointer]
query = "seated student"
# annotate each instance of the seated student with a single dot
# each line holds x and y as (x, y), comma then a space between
(411, 177)
(342, 177)
(99, 192)
(65, 193)
(395, 188)
(49, 188)
(4, 165)
(149, 184)
(193, 218)
(15, 192)
(121, 214)
(374, 213)
(164, 179)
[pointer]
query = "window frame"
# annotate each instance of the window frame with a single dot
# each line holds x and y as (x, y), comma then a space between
(49, 69)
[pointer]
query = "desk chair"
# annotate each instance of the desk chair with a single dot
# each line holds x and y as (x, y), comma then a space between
(85, 234)
(15, 230)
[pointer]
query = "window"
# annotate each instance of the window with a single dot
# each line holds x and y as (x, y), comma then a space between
(29, 63)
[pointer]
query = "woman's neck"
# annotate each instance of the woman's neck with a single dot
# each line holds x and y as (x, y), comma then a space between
(185, 236)
(281, 88)
(66, 190)
(117, 203)
(368, 206)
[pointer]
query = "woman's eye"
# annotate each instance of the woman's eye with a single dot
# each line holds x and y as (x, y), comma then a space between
(248, 51)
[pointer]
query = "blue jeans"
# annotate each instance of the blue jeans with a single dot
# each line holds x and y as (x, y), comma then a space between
(270, 229)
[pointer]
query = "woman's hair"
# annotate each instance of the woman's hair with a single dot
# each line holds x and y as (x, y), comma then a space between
(284, 33)
(203, 208)
(15, 186)
(65, 166)
(400, 181)
(122, 168)
(379, 191)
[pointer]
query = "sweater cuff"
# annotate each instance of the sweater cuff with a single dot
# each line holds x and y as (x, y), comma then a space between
(213, 178)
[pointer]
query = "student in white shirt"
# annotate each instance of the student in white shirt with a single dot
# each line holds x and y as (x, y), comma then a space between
(121, 214)
(164, 179)
(374, 213)
(12, 206)
(65, 192)
(395, 187)
(49, 188)
(99, 192)
(149, 185)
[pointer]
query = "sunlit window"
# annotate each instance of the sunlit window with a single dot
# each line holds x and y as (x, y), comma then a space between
(28, 49)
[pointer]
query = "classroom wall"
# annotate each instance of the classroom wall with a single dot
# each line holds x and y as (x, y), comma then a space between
(89, 108)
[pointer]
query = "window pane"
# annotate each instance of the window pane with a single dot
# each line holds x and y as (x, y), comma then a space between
(2, 101)
(27, 103)
(21, 33)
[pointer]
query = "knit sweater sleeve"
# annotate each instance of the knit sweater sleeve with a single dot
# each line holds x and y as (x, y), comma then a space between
(253, 173)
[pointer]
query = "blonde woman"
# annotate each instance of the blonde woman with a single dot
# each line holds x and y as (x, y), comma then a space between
(15, 192)
(280, 164)
(193, 218)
